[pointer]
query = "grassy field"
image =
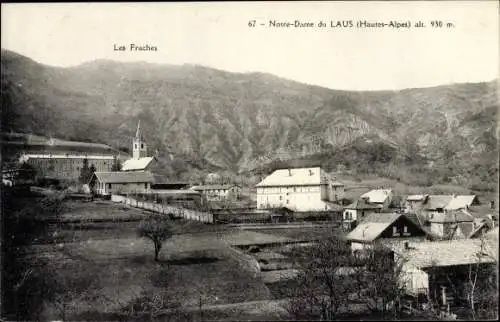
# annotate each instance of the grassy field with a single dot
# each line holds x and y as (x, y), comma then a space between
(303, 233)
(103, 268)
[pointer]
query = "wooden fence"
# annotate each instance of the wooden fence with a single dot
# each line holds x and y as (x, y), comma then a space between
(165, 209)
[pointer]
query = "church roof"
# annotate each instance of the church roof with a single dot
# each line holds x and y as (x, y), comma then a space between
(136, 164)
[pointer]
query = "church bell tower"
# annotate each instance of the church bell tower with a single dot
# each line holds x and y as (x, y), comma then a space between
(139, 146)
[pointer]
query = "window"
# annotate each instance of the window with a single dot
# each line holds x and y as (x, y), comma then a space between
(281, 197)
(394, 230)
(405, 229)
(294, 189)
(109, 185)
(145, 186)
(142, 146)
(135, 146)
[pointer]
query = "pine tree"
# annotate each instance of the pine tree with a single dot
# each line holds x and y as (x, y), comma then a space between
(91, 172)
(84, 172)
(116, 164)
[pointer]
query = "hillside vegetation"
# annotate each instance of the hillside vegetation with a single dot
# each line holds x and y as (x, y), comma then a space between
(204, 119)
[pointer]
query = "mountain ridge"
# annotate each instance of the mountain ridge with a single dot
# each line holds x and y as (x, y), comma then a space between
(238, 121)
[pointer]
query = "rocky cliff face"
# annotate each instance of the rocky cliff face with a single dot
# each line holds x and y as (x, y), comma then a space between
(218, 119)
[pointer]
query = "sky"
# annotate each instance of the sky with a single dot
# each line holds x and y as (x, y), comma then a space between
(218, 35)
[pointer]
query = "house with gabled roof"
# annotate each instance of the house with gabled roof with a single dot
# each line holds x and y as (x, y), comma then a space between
(358, 210)
(451, 224)
(107, 183)
(440, 203)
(439, 269)
(426, 206)
(299, 189)
(381, 197)
(378, 227)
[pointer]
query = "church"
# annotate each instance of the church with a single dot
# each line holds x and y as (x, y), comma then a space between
(140, 160)
(134, 176)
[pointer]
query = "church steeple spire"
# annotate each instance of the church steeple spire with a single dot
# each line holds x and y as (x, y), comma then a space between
(139, 146)
(138, 134)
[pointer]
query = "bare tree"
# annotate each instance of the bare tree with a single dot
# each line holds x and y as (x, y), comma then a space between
(381, 280)
(333, 281)
(481, 287)
(321, 289)
(156, 228)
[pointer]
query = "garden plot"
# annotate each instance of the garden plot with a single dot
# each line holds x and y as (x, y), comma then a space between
(247, 238)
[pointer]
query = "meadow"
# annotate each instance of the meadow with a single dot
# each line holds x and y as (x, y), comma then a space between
(95, 267)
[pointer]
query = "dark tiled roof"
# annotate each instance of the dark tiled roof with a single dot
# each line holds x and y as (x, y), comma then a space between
(125, 177)
(447, 253)
(437, 201)
(372, 226)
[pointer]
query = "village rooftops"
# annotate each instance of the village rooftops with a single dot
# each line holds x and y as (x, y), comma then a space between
(372, 226)
(450, 202)
(297, 177)
(124, 177)
(214, 187)
(136, 164)
(377, 195)
(447, 253)
(460, 202)
(361, 204)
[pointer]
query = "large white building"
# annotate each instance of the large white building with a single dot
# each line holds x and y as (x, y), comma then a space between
(299, 189)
